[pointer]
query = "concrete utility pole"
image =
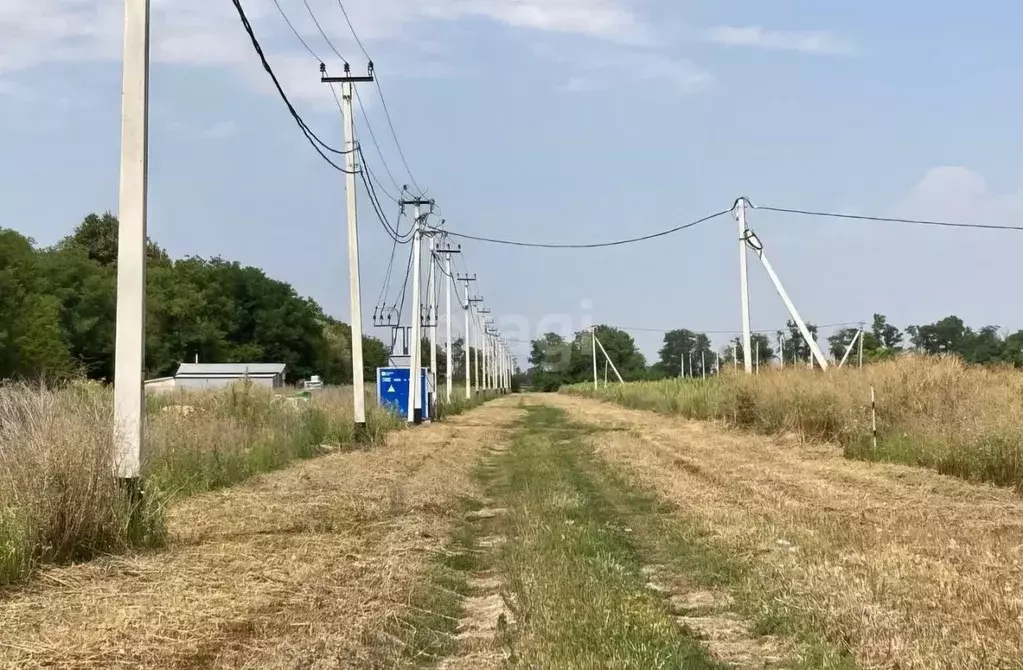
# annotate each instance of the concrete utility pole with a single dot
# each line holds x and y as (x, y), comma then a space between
(593, 346)
(739, 211)
(468, 336)
(130, 336)
(447, 326)
(415, 402)
(431, 299)
(355, 293)
(475, 358)
(485, 349)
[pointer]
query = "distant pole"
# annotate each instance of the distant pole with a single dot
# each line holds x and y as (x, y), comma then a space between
(468, 346)
(479, 343)
(692, 372)
(130, 331)
(861, 346)
(432, 320)
(682, 365)
(735, 357)
(447, 325)
(757, 345)
(605, 373)
(703, 364)
(740, 214)
(593, 346)
(717, 363)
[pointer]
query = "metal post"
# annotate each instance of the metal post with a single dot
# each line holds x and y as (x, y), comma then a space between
(740, 214)
(415, 413)
(130, 336)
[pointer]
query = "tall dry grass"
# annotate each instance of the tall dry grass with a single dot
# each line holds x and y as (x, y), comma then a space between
(59, 501)
(939, 413)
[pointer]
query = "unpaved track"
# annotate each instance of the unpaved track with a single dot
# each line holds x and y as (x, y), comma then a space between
(908, 567)
(306, 567)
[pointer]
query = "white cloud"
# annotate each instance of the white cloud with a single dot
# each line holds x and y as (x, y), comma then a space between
(958, 194)
(596, 69)
(808, 42)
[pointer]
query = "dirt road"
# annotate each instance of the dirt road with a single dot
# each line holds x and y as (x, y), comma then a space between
(308, 567)
(901, 566)
(555, 532)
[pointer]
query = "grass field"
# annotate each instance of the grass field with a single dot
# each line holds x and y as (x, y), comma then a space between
(939, 413)
(59, 502)
(559, 532)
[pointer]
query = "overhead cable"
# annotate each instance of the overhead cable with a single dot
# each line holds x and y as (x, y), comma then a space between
(318, 144)
(885, 219)
(598, 245)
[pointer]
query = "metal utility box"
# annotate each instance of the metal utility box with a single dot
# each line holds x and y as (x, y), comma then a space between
(392, 390)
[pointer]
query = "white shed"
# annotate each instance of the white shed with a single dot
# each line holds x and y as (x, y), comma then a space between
(199, 376)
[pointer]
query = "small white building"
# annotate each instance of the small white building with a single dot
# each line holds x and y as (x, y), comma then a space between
(204, 376)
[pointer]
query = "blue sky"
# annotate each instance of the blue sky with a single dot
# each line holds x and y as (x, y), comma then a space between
(558, 121)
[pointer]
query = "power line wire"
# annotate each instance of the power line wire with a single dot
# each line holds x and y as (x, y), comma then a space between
(294, 30)
(884, 219)
(599, 245)
(309, 134)
(324, 34)
(383, 100)
(376, 144)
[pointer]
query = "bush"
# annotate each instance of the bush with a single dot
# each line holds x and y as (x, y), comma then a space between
(59, 500)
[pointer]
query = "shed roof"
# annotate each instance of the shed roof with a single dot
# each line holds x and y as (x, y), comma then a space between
(230, 369)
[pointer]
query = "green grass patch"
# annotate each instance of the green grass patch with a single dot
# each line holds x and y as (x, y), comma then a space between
(427, 632)
(582, 600)
(665, 536)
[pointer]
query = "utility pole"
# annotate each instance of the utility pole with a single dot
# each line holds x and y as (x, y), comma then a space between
(130, 336)
(739, 211)
(861, 345)
(485, 353)
(415, 402)
(593, 343)
(703, 364)
(431, 317)
(355, 294)
(449, 368)
(476, 358)
(468, 338)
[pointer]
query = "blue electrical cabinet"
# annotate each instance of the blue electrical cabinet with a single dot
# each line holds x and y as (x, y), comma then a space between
(392, 390)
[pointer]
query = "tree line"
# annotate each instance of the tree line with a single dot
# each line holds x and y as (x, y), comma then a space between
(58, 308)
(555, 360)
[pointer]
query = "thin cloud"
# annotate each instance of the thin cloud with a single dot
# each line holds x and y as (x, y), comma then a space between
(807, 42)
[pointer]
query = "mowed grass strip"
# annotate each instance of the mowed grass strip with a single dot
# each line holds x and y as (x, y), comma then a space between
(570, 565)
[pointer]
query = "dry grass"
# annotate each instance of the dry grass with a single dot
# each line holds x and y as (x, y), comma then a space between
(905, 567)
(59, 502)
(935, 412)
(312, 566)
